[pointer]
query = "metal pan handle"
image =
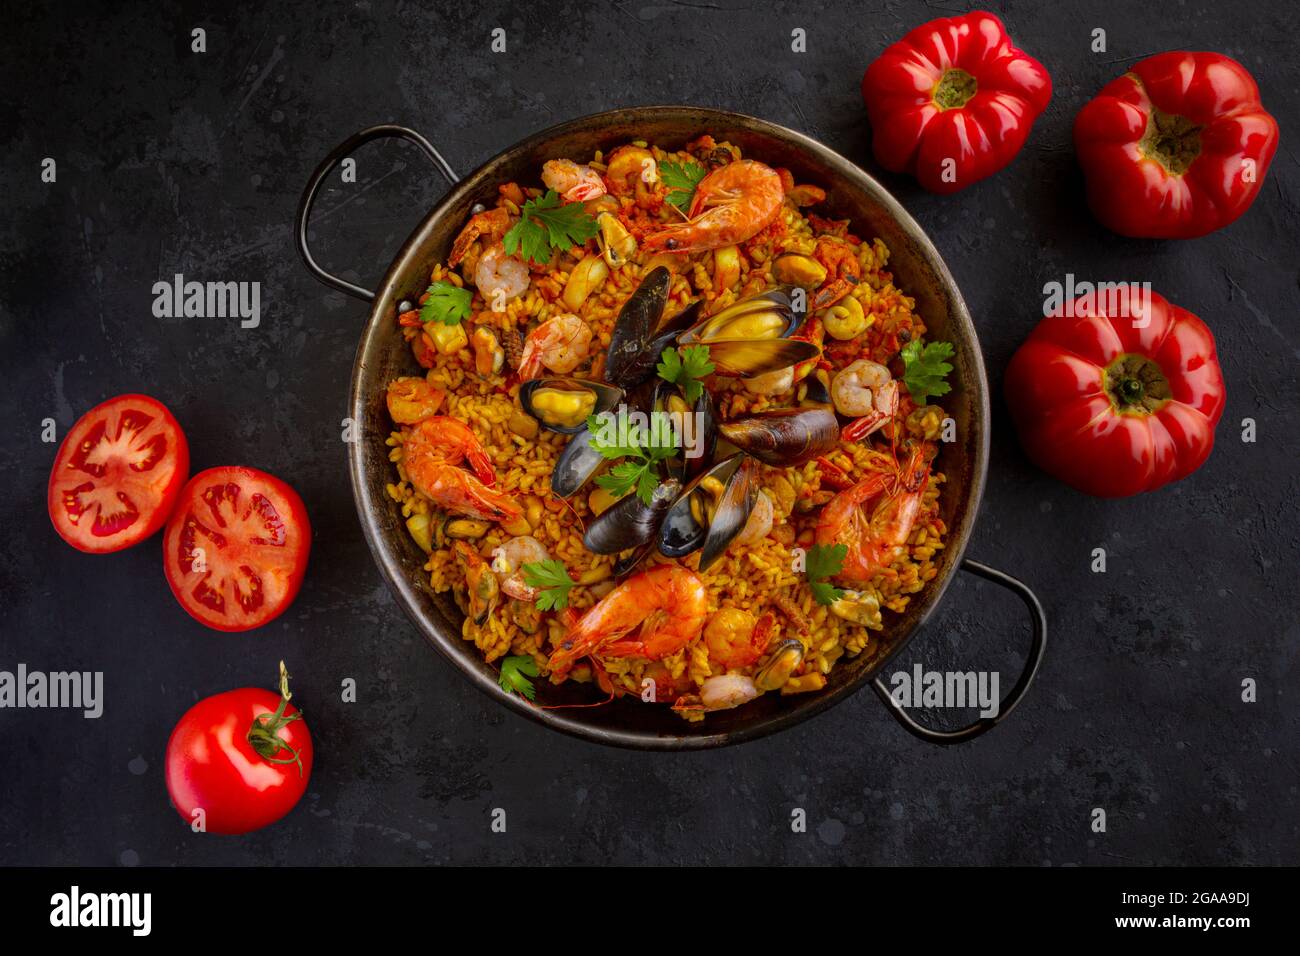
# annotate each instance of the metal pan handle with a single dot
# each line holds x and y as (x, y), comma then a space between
(1038, 644)
(337, 155)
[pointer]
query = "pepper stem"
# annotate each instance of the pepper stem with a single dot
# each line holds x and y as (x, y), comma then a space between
(954, 89)
(1171, 140)
(264, 735)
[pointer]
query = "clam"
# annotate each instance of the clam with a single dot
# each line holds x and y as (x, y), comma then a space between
(577, 463)
(711, 511)
(630, 522)
(858, 607)
(564, 404)
(784, 436)
(751, 337)
(802, 271)
(781, 663)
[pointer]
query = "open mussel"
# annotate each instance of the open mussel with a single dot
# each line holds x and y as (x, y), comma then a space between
(696, 426)
(576, 464)
(781, 663)
(784, 436)
(752, 336)
(564, 404)
(630, 523)
(711, 511)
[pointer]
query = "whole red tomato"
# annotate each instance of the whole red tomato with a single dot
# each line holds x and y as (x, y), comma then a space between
(1176, 147)
(117, 474)
(1118, 399)
(243, 758)
(953, 101)
(235, 549)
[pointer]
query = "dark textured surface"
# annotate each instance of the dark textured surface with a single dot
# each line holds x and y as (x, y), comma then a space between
(177, 162)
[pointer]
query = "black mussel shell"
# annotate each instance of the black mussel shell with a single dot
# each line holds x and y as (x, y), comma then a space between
(784, 436)
(630, 522)
(635, 327)
(681, 534)
(576, 464)
(817, 389)
(603, 397)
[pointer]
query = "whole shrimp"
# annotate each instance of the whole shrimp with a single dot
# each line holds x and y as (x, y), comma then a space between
(431, 457)
(667, 603)
(866, 392)
(575, 183)
(561, 344)
(732, 204)
(500, 277)
(874, 518)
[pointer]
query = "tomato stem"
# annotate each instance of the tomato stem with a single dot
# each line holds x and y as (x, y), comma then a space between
(1136, 385)
(954, 89)
(264, 735)
(1171, 140)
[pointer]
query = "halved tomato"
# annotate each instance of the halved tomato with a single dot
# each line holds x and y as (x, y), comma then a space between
(117, 474)
(236, 546)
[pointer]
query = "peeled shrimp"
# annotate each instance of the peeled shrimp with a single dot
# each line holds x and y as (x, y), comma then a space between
(490, 225)
(508, 561)
(776, 382)
(732, 204)
(665, 605)
(500, 277)
(561, 344)
(867, 392)
(575, 183)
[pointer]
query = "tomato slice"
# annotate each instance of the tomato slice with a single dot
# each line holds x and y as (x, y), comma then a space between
(236, 547)
(117, 474)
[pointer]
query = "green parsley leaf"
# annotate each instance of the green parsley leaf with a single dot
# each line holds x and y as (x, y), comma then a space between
(547, 224)
(821, 562)
(681, 180)
(553, 582)
(515, 672)
(825, 593)
(686, 367)
(640, 449)
(447, 303)
(925, 369)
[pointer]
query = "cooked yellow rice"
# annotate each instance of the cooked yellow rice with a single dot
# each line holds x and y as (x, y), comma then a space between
(749, 578)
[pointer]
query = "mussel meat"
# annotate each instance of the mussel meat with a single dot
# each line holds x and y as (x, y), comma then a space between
(630, 522)
(711, 511)
(803, 271)
(564, 404)
(784, 436)
(781, 663)
(751, 337)
(577, 463)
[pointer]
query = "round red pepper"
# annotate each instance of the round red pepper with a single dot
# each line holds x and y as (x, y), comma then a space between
(953, 101)
(1176, 147)
(1115, 404)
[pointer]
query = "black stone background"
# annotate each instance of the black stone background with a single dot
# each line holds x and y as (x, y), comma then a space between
(170, 161)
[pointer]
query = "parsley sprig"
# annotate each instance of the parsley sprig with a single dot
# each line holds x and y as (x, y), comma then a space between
(925, 369)
(681, 180)
(824, 561)
(641, 450)
(515, 671)
(686, 367)
(446, 303)
(547, 224)
(553, 582)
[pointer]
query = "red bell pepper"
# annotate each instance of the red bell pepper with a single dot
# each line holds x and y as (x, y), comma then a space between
(1115, 404)
(953, 101)
(1176, 147)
